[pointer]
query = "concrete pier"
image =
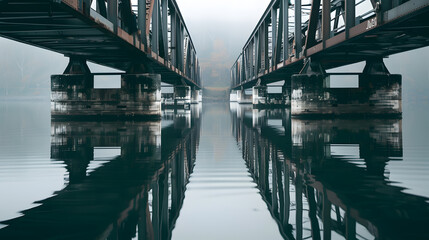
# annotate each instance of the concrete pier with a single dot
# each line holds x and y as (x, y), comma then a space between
(196, 96)
(378, 93)
(200, 96)
(287, 92)
(262, 97)
(243, 97)
(182, 97)
(233, 96)
(74, 96)
(259, 95)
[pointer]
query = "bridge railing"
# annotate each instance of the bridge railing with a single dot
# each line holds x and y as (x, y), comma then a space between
(273, 42)
(157, 24)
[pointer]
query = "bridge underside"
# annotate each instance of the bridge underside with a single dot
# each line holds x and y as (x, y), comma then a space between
(273, 54)
(61, 28)
(399, 36)
(402, 29)
(149, 42)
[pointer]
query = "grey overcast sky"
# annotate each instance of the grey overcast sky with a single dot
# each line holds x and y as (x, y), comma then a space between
(219, 29)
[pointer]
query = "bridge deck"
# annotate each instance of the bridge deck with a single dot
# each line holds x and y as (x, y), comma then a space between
(399, 29)
(63, 27)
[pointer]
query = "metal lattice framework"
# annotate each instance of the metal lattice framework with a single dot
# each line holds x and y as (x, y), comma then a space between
(115, 33)
(334, 32)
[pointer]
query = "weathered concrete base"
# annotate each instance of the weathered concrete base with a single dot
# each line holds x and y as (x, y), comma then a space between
(377, 95)
(261, 99)
(200, 96)
(233, 96)
(167, 100)
(195, 96)
(182, 97)
(74, 96)
(259, 95)
(287, 92)
(243, 98)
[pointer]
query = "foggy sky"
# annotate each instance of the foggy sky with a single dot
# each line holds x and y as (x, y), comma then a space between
(219, 30)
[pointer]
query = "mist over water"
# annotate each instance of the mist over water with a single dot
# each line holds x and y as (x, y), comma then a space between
(217, 171)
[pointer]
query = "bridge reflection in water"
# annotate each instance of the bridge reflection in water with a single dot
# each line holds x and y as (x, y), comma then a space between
(326, 179)
(136, 194)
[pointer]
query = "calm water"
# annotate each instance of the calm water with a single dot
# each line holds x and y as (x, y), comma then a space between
(219, 171)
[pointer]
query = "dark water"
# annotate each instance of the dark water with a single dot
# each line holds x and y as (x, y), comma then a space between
(218, 171)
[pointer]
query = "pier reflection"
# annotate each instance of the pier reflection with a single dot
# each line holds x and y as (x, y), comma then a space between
(327, 179)
(126, 180)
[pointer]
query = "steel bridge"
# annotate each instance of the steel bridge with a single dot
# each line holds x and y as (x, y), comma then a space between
(135, 36)
(112, 33)
(311, 36)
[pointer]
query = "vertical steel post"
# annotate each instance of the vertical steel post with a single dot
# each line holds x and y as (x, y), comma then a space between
(262, 40)
(112, 14)
(265, 46)
(246, 62)
(164, 29)
(188, 56)
(194, 64)
(310, 39)
(173, 56)
(285, 29)
(101, 8)
(142, 21)
(86, 7)
(257, 53)
(273, 36)
(298, 30)
(326, 21)
(180, 40)
(385, 6)
(243, 78)
(350, 15)
(252, 66)
(155, 27)
(279, 36)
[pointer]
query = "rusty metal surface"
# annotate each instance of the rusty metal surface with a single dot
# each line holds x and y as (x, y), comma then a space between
(65, 27)
(396, 28)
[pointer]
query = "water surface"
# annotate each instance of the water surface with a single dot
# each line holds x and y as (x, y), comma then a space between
(218, 171)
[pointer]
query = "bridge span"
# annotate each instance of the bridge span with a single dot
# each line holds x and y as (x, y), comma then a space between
(297, 41)
(146, 39)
